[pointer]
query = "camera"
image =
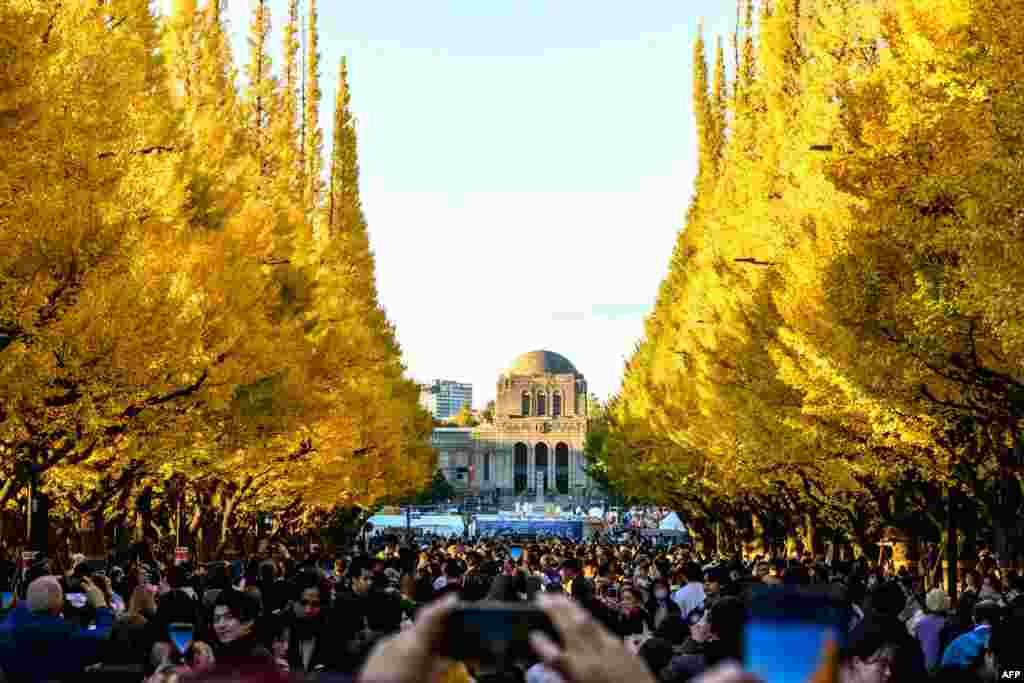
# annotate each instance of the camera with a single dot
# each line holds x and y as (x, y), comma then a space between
(495, 632)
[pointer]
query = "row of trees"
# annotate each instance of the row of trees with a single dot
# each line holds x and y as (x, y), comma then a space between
(838, 345)
(189, 324)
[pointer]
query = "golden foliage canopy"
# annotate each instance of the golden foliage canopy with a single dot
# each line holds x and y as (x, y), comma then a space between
(841, 319)
(168, 307)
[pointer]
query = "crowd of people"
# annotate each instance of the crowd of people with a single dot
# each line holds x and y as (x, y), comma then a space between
(629, 610)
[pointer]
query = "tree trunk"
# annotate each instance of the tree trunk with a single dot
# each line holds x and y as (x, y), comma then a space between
(812, 538)
(702, 531)
(89, 542)
(761, 544)
(9, 490)
(225, 526)
(703, 538)
(952, 545)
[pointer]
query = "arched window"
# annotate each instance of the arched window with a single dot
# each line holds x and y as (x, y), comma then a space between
(556, 405)
(526, 404)
(519, 467)
(487, 466)
(562, 468)
(542, 404)
(540, 457)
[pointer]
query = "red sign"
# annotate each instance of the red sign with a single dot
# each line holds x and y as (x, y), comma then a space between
(181, 555)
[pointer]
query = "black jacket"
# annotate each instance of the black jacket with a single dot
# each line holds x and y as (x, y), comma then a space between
(653, 606)
(246, 654)
(324, 654)
(177, 606)
(583, 590)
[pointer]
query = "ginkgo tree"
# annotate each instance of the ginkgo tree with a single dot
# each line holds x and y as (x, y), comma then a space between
(835, 344)
(176, 327)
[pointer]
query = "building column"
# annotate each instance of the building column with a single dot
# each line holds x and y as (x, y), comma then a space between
(509, 463)
(577, 461)
(499, 466)
(531, 467)
(512, 467)
(552, 483)
(572, 474)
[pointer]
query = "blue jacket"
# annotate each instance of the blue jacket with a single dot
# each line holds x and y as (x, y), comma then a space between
(40, 647)
(966, 649)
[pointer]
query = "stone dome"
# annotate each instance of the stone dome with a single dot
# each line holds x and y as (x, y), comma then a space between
(541, 363)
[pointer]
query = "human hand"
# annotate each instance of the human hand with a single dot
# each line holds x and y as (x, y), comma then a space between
(589, 653)
(729, 672)
(143, 600)
(635, 642)
(93, 594)
(103, 583)
(413, 653)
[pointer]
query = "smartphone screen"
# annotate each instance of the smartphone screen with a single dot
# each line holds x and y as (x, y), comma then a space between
(77, 600)
(181, 634)
(788, 629)
(515, 553)
(6, 600)
(495, 632)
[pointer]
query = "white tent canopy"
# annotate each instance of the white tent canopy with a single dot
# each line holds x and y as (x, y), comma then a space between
(671, 522)
(442, 525)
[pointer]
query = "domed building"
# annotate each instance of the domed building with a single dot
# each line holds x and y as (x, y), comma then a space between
(537, 437)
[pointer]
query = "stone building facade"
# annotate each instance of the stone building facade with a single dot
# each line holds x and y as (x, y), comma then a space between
(537, 437)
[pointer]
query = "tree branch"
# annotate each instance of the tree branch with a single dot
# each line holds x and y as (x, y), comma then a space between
(155, 149)
(754, 262)
(52, 22)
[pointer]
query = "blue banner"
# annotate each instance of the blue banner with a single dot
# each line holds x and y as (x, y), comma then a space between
(572, 529)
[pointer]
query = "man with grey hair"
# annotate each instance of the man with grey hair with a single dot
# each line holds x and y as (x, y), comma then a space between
(37, 644)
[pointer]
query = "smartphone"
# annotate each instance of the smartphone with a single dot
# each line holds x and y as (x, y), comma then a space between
(77, 600)
(6, 600)
(788, 628)
(95, 566)
(515, 552)
(494, 632)
(181, 634)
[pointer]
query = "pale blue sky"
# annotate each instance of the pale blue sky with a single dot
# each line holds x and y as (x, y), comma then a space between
(525, 168)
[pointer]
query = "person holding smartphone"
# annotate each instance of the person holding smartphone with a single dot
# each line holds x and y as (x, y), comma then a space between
(38, 627)
(661, 607)
(716, 637)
